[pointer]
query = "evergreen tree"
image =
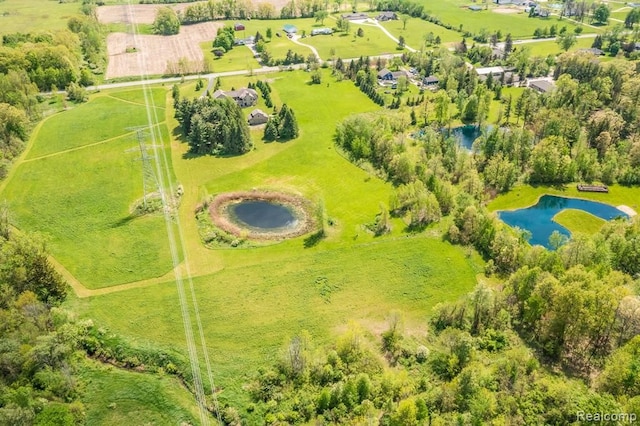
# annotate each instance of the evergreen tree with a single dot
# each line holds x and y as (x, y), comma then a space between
(288, 126)
(271, 130)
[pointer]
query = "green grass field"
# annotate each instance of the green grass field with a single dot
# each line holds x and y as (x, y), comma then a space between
(550, 47)
(525, 195)
(579, 221)
(78, 191)
(113, 396)
(26, 16)
(374, 42)
(250, 311)
(417, 29)
(238, 58)
(456, 13)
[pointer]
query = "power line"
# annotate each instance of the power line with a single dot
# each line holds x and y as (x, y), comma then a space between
(186, 318)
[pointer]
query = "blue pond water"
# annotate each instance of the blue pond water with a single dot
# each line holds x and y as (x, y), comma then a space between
(262, 215)
(466, 135)
(537, 218)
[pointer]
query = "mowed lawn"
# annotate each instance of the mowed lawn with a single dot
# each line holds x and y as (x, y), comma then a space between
(27, 16)
(416, 29)
(81, 199)
(456, 13)
(373, 42)
(238, 58)
(579, 221)
(525, 195)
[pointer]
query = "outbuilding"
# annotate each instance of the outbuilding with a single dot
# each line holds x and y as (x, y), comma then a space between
(257, 116)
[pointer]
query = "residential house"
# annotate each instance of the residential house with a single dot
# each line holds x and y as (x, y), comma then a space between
(244, 97)
(321, 31)
(542, 86)
(387, 16)
(431, 82)
(385, 74)
(355, 16)
(496, 72)
(257, 116)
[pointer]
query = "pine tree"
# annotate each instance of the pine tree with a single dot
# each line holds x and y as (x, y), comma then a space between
(271, 130)
(288, 127)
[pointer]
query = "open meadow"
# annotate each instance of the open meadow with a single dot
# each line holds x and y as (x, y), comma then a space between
(79, 191)
(35, 15)
(251, 300)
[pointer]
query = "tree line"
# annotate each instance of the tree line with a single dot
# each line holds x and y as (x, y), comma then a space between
(40, 62)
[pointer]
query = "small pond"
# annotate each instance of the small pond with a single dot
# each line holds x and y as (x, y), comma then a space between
(262, 215)
(537, 219)
(466, 135)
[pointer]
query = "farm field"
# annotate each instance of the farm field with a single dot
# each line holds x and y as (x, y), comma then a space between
(35, 15)
(130, 55)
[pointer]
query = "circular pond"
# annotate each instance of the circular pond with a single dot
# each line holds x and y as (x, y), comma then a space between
(262, 215)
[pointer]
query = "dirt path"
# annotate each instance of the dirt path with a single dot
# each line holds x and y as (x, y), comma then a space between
(313, 49)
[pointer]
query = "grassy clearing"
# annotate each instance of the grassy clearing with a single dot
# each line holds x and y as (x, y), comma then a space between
(81, 200)
(103, 118)
(579, 221)
(113, 396)
(238, 58)
(35, 15)
(525, 195)
(374, 42)
(550, 47)
(250, 311)
(456, 13)
(417, 29)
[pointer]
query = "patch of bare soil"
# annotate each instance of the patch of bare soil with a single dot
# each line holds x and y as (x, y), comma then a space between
(155, 54)
(136, 13)
(220, 217)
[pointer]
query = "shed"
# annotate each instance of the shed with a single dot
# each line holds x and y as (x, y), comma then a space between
(430, 81)
(475, 8)
(289, 29)
(238, 26)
